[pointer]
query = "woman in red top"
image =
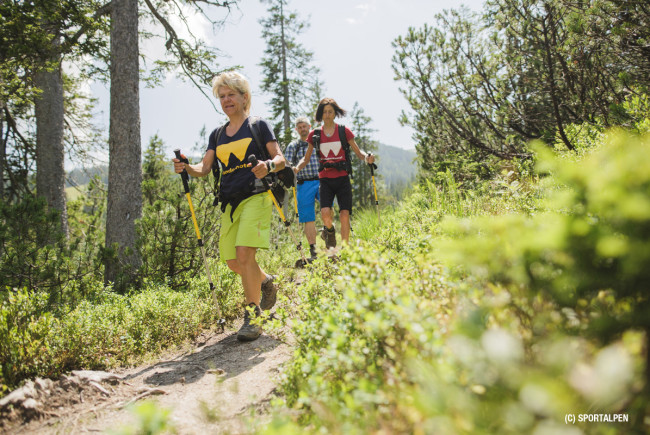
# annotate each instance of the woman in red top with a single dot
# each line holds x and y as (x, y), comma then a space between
(334, 178)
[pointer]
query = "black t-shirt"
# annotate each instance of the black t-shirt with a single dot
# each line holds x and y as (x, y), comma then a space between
(232, 153)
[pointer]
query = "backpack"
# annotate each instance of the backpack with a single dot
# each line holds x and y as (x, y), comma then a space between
(278, 181)
(298, 148)
(347, 165)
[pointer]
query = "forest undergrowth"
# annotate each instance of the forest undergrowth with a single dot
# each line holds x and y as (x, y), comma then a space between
(497, 310)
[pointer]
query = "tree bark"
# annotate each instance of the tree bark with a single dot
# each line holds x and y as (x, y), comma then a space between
(3, 150)
(285, 81)
(124, 170)
(50, 169)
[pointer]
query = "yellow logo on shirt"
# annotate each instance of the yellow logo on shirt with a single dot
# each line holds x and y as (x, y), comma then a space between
(238, 148)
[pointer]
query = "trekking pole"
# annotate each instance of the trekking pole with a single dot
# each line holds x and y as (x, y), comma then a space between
(253, 161)
(374, 185)
(185, 177)
(295, 201)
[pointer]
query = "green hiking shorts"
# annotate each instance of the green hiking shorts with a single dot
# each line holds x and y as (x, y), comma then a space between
(250, 226)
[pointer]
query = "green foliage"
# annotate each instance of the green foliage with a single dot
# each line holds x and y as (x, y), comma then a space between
(26, 228)
(168, 241)
(35, 255)
(36, 35)
(481, 85)
(107, 331)
(151, 420)
(56, 314)
(592, 254)
(187, 56)
(637, 108)
(289, 75)
(483, 314)
(24, 327)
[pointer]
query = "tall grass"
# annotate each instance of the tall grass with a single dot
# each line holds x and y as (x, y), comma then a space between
(485, 313)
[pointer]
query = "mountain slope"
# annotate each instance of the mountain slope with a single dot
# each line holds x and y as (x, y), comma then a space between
(396, 167)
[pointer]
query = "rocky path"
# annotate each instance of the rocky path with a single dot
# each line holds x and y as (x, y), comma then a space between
(218, 386)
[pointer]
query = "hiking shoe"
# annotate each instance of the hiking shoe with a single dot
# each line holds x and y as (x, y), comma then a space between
(299, 264)
(269, 292)
(250, 332)
(329, 237)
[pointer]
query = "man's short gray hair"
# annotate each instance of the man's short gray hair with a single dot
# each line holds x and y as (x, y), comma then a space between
(303, 119)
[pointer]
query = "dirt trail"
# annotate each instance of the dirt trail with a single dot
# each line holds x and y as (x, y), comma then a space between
(212, 388)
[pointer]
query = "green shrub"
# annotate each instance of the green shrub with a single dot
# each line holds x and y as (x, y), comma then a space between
(24, 329)
(509, 339)
(167, 239)
(111, 330)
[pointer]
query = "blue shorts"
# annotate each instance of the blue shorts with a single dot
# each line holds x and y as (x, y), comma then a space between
(307, 196)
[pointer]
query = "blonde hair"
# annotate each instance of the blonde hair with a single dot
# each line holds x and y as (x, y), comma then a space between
(236, 82)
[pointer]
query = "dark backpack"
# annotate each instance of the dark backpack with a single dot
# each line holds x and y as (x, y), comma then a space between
(278, 181)
(347, 165)
(298, 148)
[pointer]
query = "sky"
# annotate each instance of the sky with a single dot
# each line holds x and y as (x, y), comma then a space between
(351, 42)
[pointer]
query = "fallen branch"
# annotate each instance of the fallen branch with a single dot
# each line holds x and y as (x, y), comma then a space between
(148, 392)
(99, 387)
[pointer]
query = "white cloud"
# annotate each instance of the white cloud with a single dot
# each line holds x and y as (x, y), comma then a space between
(366, 8)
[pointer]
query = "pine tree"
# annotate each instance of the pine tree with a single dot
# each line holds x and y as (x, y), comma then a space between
(289, 75)
(37, 36)
(124, 170)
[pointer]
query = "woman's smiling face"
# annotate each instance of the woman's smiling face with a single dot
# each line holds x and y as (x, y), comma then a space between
(232, 102)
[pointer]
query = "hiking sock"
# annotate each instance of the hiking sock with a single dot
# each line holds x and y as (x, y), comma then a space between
(268, 277)
(312, 250)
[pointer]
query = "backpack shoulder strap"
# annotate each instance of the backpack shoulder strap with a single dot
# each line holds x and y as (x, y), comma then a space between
(257, 137)
(315, 139)
(294, 159)
(346, 148)
(217, 136)
(216, 166)
(344, 139)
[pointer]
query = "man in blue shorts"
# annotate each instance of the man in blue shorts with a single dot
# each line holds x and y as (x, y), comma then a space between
(307, 181)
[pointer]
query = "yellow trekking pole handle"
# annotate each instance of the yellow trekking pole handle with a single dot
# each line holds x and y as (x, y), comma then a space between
(186, 186)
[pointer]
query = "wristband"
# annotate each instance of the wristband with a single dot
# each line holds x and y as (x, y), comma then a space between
(270, 165)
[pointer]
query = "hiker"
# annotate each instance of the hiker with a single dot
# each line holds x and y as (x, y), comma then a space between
(246, 206)
(307, 182)
(334, 143)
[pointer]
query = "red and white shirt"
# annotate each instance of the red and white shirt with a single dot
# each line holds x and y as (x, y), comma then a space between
(331, 151)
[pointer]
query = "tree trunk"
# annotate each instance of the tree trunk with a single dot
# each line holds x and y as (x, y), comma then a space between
(50, 169)
(3, 150)
(124, 169)
(285, 81)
